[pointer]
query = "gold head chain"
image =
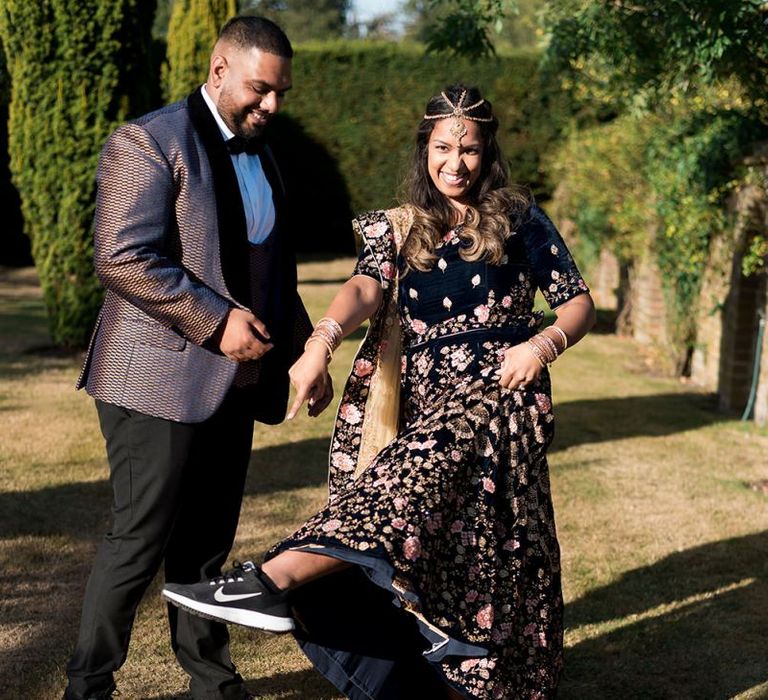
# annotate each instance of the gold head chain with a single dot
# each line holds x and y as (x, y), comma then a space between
(459, 113)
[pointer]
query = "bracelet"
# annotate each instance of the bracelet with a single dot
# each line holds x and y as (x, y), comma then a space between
(550, 344)
(328, 332)
(318, 339)
(546, 348)
(331, 330)
(536, 352)
(332, 325)
(562, 335)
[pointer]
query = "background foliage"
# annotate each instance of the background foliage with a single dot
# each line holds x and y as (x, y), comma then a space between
(14, 245)
(658, 184)
(358, 104)
(631, 49)
(192, 31)
(685, 83)
(303, 20)
(85, 71)
(363, 101)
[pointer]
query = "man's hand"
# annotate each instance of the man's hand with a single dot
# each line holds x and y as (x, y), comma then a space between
(309, 376)
(241, 336)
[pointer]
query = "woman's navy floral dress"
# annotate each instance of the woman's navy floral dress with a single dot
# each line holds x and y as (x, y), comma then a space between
(452, 521)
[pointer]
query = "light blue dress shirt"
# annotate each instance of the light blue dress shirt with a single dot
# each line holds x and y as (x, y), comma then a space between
(255, 190)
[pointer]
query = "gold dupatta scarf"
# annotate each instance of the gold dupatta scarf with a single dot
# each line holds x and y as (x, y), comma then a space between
(382, 410)
(369, 410)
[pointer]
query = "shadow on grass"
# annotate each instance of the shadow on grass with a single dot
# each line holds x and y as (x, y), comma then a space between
(34, 362)
(600, 420)
(77, 509)
(292, 685)
(292, 465)
(702, 612)
(80, 509)
(338, 281)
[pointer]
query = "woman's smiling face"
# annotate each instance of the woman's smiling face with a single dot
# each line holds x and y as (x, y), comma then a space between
(454, 164)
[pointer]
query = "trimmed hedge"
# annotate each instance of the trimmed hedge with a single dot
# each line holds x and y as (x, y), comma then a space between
(359, 103)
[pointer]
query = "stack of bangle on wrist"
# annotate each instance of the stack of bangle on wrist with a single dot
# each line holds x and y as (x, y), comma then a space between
(328, 332)
(544, 348)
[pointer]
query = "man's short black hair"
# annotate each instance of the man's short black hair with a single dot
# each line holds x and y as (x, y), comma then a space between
(250, 32)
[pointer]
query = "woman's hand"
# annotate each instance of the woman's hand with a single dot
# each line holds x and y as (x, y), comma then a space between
(357, 300)
(309, 376)
(520, 367)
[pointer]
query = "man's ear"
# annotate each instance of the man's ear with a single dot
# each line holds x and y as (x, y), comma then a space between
(219, 68)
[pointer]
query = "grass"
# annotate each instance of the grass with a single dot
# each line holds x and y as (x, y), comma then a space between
(665, 550)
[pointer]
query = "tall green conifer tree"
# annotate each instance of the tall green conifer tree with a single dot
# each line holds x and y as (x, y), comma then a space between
(192, 32)
(77, 69)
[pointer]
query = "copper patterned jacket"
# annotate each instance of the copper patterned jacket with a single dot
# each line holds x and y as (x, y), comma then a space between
(170, 247)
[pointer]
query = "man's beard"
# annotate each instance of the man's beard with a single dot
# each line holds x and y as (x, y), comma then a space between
(237, 119)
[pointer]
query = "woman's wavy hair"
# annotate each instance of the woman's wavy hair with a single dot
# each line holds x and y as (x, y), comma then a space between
(494, 208)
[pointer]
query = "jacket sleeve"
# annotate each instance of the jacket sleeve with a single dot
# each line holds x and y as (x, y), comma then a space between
(302, 329)
(133, 238)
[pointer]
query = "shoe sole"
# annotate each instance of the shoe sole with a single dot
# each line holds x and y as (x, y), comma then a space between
(237, 616)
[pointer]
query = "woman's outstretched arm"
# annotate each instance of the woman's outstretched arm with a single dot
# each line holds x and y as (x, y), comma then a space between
(356, 301)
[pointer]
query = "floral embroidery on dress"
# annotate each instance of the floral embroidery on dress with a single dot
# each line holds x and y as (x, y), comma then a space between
(458, 506)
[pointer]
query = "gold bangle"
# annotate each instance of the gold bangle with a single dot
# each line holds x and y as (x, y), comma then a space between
(545, 346)
(536, 352)
(330, 329)
(319, 339)
(562, 335)
(551, 345)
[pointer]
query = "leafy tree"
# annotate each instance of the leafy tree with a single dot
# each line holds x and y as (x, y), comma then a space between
(76, 70)
(504, 26)
(697, 72)
(193, 29)
(631, 46)
(463, 27)
(658, 47)
(304, 20)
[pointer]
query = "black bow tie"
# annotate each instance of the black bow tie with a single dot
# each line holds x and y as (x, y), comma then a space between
(237, 144)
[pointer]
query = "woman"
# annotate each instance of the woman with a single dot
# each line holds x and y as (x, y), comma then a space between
(439, 489)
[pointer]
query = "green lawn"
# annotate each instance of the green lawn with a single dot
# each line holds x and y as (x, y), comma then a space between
(665, 547)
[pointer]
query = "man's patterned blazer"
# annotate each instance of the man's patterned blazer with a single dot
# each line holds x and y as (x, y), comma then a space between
(170, 247)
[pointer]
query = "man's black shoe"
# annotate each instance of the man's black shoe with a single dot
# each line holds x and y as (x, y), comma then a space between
(240, 596)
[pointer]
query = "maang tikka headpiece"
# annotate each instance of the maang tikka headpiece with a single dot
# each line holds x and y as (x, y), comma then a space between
(459, 113)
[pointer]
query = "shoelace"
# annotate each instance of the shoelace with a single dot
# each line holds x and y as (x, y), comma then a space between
(236, 574)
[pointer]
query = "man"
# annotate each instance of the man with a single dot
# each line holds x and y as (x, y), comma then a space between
(200, 324)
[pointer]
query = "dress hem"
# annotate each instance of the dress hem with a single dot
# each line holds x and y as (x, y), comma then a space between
(382, 574)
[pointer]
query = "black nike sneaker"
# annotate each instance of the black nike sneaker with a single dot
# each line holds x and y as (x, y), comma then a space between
(242, 596)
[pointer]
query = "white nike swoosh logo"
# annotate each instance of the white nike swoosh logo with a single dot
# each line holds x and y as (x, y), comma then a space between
(222, 597)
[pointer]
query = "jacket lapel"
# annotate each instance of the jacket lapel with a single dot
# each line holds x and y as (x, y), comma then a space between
(233, 241)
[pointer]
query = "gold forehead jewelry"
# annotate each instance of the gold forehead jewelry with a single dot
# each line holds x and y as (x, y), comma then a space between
(459, 113)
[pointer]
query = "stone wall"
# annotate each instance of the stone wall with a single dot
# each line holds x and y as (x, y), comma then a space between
(603, 279)
(731, 305)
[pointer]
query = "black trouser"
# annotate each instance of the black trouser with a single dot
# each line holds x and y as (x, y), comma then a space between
(177, 491)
